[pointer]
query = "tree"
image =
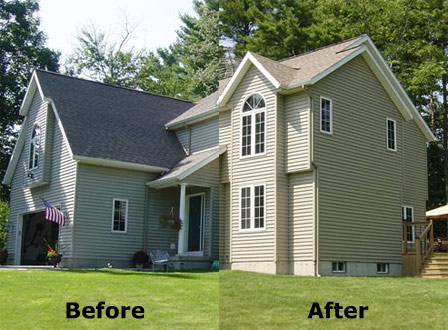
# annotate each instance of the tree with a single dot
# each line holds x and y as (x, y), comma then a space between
(101, 59)
(188, 68)
(22, 48)
(4, 214)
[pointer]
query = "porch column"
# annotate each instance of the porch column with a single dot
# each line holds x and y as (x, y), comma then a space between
(181, 240)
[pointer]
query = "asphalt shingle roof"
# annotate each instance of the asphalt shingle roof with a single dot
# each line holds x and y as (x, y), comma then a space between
(115, 123)
(288, 71)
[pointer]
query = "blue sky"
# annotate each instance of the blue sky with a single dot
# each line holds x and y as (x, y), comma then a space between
(157, 20)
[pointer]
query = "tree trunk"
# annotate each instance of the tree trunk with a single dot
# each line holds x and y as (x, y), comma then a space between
(445, 132)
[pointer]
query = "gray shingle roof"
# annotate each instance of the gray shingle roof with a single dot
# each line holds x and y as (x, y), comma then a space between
(115, 123)
(207, 104)
(287, 72)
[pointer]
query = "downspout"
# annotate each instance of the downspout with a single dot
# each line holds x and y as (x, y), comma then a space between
(316, 191)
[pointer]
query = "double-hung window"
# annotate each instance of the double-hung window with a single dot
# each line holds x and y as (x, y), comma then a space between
(33, 161)
(408, 216)
(252, 207)
(253, 126)
(391, 133)
(326, 115)
(120, 215)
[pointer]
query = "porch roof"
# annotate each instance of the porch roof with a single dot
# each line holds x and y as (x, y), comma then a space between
(440, 212)
(187, 166)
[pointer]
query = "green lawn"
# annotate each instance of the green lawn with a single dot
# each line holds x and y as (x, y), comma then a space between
(258, 301)
(35, 299)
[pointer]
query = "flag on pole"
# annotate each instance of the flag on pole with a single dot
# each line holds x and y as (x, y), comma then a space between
(53, 214)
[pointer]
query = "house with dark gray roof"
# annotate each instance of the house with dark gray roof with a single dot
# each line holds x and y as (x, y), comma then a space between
(103, 155)
(311, 165)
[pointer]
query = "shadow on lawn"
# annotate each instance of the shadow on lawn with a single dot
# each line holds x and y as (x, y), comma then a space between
(124, 272)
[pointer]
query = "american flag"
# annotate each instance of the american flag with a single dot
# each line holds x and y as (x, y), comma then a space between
(53, 214)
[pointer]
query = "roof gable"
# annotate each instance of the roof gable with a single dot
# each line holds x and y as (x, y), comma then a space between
(113, 124)
(309, 68)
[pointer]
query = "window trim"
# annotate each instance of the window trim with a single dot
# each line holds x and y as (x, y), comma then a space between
(387, 134)
(331, 114)
(32, 142)
(403, 207)
(126, 216)
(382, 263)
(339, 271)
(252, 207)
(252, 114)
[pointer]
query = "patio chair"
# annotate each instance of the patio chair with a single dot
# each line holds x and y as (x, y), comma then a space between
(159, 258)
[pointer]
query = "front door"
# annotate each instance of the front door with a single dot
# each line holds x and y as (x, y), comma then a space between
(195, 222)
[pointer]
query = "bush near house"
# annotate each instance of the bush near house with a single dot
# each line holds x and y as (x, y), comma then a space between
(4, 213)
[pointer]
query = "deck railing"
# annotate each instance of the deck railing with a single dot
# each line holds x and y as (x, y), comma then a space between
(423, 245)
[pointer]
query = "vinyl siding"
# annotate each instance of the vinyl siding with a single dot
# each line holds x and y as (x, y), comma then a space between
(207, 180)
(297, 140)
(58, 163)
(253, 246)
(360, 182)
(224, 223)
(96, 188)
(224, 140)
(281, 183)
(415, 182)
(160, 203)
(301, 215)
(204, 135)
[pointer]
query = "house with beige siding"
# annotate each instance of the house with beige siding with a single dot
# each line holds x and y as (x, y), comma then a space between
(114, 161)
(325, 159)
(311, 165)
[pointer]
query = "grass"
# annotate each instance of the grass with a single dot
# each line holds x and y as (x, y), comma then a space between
(35, 299)
(258, 301)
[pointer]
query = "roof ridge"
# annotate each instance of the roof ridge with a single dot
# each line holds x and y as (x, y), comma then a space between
(320, 48)
(115, 86)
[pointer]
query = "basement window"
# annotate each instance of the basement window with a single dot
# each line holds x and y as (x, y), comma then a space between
(382, 268)
(338, 266)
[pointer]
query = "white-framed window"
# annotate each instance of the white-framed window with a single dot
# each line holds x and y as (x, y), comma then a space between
(326, 115)
(253, 126)
(338, 266)
(120, 215)
(382, 268)
(33, 160)
(408, 215)
(391, 133)
(252, 207)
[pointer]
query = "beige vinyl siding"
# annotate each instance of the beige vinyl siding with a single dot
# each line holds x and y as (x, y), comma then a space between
(359, 180)
(297, 132)
(224, 223)
(37, 115)
(207, 180)
(415, 182)
(97, 186)
(281, 184)
(202, 135)
(253, 246)
(61, 189)
(160, 203)
(224, 140)
(301, 216)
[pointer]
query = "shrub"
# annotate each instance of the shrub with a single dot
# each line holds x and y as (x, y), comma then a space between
(140, 258)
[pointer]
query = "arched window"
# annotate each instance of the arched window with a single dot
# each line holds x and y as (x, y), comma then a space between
(253, 126)
(34, 148)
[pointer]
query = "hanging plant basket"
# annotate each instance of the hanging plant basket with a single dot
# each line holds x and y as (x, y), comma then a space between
(170, 221)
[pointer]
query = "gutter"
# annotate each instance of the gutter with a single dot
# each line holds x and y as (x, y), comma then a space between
(119, 164)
